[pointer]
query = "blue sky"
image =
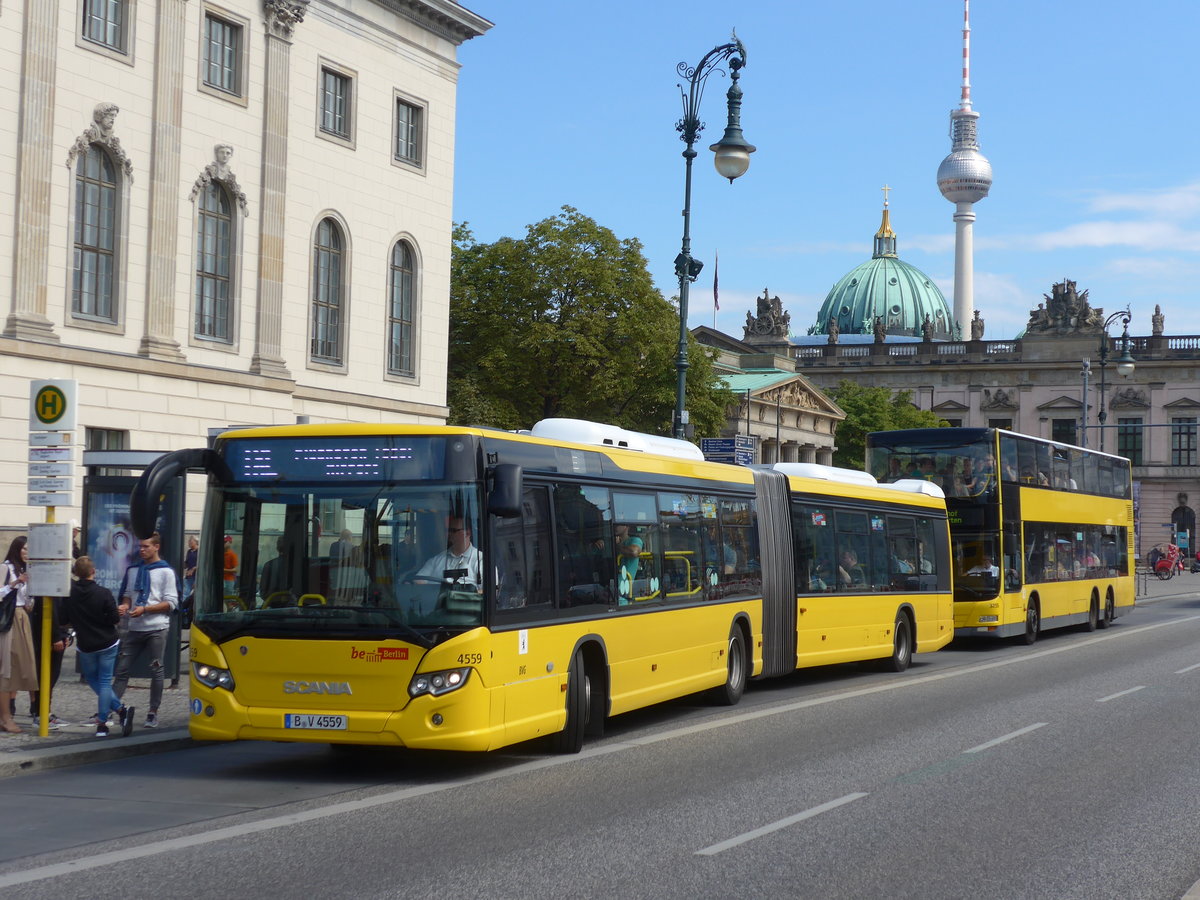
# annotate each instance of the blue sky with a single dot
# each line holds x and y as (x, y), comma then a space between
(1085, 115)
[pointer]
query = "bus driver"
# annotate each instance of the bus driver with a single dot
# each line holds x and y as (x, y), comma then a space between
(460, 564)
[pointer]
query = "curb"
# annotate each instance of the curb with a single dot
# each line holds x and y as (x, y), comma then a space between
(25, 762)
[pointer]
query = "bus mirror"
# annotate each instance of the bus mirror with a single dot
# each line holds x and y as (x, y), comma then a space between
(505, 497)
(148, 489)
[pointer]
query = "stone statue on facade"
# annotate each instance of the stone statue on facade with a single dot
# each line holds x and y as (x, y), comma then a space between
(998, 399)
(1156, 321)
(834, 331)
(219, 170)
(100, 132)
(771, 320)
(1065, 309)
(878, 330)
(977, 327)
(927, 329)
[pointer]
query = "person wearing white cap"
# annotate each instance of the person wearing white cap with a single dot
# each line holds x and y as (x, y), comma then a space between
(75, 551)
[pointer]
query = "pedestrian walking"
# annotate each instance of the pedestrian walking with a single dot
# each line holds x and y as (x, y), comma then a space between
(149, 593)
(92, 611)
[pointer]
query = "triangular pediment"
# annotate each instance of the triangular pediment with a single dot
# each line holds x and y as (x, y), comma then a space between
(951, 406)
(1062, 402)
(1182, 403)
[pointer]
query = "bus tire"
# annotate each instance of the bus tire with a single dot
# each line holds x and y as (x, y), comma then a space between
(1110, 611)
(902, 645)
(731, 691)
(570, 739)
(1033, 622)
(1093, 613)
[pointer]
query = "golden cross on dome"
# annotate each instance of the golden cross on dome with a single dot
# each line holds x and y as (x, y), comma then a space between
(885, 190)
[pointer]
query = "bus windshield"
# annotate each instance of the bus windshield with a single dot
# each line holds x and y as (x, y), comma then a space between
(960, 461)
(341, 560)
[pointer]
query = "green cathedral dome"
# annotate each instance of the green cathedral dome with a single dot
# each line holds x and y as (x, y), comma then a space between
(885, 286)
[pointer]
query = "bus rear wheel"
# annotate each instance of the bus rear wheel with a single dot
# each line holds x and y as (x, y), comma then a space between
(1033, 622)
(901, 645)
(1110, 612)
(570, 739)
(731, 691)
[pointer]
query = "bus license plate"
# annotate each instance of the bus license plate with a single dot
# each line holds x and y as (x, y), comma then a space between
(315, 722)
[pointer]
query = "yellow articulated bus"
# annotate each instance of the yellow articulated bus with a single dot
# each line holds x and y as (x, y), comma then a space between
(1042, 532)
(468, 589)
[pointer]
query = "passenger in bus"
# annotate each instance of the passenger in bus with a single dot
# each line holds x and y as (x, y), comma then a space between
(718, 552)
(924, 564)
(927, 471)
(1009, 471)
(460, 564)
(894, 472)
(627, 569)
(272, 583)
(849, 571)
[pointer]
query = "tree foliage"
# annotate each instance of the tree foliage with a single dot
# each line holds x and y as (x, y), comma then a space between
(566, 321)
(870, 409)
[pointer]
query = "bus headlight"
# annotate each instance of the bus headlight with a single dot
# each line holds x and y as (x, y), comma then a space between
(211, 676)
(438, 683)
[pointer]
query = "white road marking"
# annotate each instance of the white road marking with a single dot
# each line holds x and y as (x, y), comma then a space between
(1188, 669)
(776, 826)
(1132, 690)
(1007, 737)
(84, 863)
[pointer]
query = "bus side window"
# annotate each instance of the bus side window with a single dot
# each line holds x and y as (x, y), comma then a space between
(581, 526)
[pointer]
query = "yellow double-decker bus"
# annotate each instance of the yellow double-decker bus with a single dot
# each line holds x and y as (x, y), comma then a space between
(1042, 532)
(468, 589)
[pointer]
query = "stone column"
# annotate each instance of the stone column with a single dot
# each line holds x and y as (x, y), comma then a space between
(158, 340)
(35, 147)
(282, 18)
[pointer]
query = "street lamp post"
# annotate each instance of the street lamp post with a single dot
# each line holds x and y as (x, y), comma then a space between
(1084, 372)
(1125, 363)
(732, 158)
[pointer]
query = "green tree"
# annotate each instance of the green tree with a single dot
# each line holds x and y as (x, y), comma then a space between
(870, 409)
(566, 321)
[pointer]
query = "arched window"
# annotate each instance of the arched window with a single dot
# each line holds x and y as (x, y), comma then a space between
(93, 287)
(214, 252)
(327, 293)
(400, 310)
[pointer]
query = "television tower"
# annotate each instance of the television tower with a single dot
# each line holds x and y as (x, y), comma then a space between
(964, 177)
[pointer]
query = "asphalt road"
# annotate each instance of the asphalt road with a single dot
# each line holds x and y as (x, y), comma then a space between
(1070, 769)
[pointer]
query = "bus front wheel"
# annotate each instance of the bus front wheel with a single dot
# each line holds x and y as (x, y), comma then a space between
(1033, 622)
(731, 691)
(1093, 614)
(570, 739)
(902, 647)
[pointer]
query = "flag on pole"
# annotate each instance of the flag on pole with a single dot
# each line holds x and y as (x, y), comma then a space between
(716, 263)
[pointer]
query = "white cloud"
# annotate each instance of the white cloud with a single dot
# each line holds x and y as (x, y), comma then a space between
(1181, 202)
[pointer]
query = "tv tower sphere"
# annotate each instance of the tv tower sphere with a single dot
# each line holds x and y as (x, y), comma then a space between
(965, 176)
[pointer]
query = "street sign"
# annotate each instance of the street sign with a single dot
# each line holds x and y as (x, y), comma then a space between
(52, 405)
(50, 469)
(49, 577)
(51, 454)
(50, 438)
(51, 484)
(61, 499)
(50, 540)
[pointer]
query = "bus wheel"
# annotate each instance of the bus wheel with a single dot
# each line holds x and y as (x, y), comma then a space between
(901, 645)
(1093, 614)
(731, 691)
(570, 739)
(1110, 612)
(1033, 622)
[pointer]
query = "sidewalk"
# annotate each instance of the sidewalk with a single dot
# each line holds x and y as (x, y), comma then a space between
(75, 741)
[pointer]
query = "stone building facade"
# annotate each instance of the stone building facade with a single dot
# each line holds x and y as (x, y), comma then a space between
(228, 212)
(1034, 384)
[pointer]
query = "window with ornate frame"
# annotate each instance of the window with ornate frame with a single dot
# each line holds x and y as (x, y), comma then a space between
(401, 294)
(214, 263)
(328, 290)
(97, 194)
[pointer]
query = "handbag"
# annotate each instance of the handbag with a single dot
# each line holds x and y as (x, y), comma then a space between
(8, 606)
